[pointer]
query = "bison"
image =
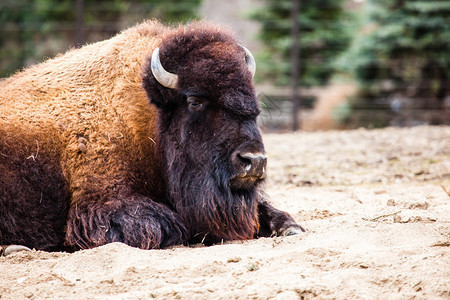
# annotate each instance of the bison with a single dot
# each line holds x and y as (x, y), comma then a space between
(149, 138)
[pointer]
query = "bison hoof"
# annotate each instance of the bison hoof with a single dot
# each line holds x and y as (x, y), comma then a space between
(294, 230)
(7, 250)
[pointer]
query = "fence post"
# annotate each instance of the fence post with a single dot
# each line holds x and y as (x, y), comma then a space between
(79, 26)
(295, 65)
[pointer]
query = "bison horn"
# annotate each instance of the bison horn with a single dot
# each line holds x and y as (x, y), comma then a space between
(165, 78)
(14, 248)
(249, 60)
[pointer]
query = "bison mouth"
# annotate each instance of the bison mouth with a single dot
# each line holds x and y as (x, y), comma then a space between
(243, 182)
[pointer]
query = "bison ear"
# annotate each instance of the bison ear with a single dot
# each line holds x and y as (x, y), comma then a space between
(157, 95)
(162, 95)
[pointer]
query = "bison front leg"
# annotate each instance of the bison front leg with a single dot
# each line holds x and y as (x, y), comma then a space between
(273, 221)
(136, 221)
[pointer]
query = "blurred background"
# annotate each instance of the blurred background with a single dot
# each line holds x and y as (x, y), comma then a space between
(321, 64)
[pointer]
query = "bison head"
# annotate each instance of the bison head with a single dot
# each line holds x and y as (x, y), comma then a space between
(200, 80)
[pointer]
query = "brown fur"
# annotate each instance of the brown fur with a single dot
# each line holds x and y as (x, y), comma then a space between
(85, 160)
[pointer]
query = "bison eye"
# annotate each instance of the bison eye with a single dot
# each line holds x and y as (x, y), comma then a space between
(195, 104)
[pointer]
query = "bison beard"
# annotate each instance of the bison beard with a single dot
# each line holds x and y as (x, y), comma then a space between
(85, 160)
(208, 206)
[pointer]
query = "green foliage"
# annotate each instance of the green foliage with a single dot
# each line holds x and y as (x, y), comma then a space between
(324, 34)
(33, 30)
(402, 51)
(173, 11)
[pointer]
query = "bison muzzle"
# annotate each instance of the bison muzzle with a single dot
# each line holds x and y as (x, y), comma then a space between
(148, 138)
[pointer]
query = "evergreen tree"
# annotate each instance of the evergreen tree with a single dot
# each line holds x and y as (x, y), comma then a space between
(401, 59)
(30, 31)
(324, 33)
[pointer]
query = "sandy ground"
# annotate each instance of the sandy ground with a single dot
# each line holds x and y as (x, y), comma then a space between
(378, 225)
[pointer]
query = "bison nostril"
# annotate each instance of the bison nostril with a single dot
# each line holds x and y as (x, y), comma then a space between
(255, 163)
(245, 161)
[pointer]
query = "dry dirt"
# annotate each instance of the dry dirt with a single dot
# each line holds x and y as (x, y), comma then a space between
(378, 225)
